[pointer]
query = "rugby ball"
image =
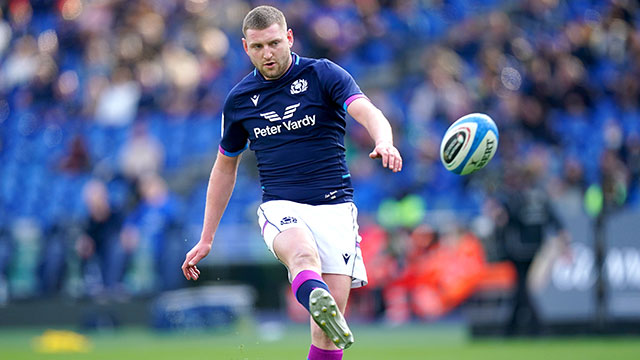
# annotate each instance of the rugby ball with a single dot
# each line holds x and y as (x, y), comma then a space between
(469, 144)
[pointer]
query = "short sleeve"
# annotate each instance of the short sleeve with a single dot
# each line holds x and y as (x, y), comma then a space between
(338, 84)
(234, 139)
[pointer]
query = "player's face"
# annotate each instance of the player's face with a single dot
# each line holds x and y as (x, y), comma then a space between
(269, 50)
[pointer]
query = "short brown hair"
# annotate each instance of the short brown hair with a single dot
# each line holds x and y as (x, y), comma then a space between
(262, 17)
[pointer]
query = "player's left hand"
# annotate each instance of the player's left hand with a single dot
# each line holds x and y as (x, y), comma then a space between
(389, 154)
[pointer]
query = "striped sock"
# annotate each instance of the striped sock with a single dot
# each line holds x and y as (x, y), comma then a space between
(322, 354)
(303, 285)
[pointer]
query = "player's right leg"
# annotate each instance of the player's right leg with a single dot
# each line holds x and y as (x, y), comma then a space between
(288, 237)
(296, 249)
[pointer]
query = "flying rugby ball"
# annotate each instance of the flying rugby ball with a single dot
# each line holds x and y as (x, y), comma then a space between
(469, 144)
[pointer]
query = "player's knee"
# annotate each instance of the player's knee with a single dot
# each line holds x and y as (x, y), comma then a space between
(305, 259)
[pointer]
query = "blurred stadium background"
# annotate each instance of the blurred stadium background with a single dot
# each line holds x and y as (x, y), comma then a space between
(109, 124)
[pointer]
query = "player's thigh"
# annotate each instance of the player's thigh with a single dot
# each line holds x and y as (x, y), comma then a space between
(282, 220)
(297, 250)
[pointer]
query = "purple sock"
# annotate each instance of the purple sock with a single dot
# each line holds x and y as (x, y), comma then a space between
(321, 354)
(303, 285)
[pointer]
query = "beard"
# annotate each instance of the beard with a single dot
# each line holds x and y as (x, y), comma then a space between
(276, 70)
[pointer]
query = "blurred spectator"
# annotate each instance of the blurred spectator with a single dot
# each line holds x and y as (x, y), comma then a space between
(53, 259)
(77, 160)
(21, 65)
(103, 257)
(567, 192)
(441, 272)
(24, 279)
(382, 267)
(152, 233)
(117, 104)
(142, 154)
(631, 157)
(5, 257)
(410, 249)
(525, 221)
(615, 181)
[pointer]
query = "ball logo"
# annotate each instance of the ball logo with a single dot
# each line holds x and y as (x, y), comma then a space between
(453, 146)
(299, 86)
(488, 152)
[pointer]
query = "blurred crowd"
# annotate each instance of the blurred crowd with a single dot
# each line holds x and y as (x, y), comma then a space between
(110, 120)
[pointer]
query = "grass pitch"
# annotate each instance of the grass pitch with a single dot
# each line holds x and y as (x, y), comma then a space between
(280, 342)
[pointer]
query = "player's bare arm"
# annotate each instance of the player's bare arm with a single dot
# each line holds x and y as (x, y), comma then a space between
(379, 129)
(221, 183)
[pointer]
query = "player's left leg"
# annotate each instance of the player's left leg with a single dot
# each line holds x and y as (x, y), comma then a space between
(329, 326)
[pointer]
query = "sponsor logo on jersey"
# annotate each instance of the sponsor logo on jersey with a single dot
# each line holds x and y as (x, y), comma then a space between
(254, 99)
(289, 125)
(285, 124)
(299, 86)
(288, 113)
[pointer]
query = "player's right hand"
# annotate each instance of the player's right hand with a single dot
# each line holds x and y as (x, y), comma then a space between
(189, 268)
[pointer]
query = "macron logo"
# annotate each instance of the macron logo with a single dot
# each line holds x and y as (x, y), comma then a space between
(254, 99)
(288, 113)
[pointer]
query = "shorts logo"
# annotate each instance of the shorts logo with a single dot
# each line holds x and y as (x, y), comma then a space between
(346, 258)
(299, 86)
(288, 112)
(288, 220)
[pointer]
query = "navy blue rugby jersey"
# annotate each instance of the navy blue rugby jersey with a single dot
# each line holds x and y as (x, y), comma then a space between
(296, 127)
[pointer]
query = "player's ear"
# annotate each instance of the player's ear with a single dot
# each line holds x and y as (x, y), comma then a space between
(245, 46)
(290, 37)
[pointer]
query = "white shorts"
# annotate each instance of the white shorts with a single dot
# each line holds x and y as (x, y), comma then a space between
(334, 228)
